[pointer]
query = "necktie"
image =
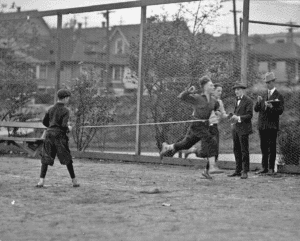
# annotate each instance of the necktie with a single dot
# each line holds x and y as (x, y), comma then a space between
(269, 94)
(238, 100)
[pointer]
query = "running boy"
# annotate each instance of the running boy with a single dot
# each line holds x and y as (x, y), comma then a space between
(57, 142)
(203, 105)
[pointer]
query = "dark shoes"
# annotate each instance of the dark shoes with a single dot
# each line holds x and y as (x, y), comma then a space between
(205, 174)
(264, 171)
(244, 175)
(271, 172)
(235, 174)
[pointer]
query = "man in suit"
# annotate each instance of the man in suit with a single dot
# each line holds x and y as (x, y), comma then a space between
(241, 128)
(269, 106)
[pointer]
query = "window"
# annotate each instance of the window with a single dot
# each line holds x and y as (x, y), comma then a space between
(273, 65)
(281, 41)
(41, 72)
(118, 72)
(119, 46)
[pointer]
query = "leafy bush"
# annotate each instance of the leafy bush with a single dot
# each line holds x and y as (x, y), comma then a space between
(89, 108)
(289, 147)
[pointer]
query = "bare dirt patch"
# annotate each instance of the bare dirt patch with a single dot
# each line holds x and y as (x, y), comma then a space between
(115, 202)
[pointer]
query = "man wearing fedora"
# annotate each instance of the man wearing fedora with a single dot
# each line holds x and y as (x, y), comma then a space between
(269, 106)
(241, 129)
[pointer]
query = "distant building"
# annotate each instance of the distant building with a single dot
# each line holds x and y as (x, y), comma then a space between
(283, 37)
(281, 58)
(83, 48)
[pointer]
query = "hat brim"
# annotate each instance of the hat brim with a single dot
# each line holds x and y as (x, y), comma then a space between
(238, 87)
(267, 81)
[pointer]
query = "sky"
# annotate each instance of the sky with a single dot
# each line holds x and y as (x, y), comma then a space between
(280, 11)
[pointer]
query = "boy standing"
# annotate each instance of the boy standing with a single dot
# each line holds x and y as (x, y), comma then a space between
(56, 141)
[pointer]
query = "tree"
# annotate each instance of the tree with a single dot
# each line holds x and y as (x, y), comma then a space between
(165, 72)
(88, 108)
(173, 57)
(17, 74)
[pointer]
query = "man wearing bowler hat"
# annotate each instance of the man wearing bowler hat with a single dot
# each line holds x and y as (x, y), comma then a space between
(269, 106)
(241, 129)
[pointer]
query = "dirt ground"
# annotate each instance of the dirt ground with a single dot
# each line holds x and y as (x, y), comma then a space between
(113, 204)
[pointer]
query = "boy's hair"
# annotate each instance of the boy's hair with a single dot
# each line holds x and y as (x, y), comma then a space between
(63, 93)
(203, 81)
(218, 85)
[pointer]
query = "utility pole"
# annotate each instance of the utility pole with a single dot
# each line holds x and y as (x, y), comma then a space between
(244, 51)
(236, 71)
(234, 17)
(58, 56)
(108, 82)
(140, 83)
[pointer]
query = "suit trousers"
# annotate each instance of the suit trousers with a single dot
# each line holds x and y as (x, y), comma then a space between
(214, 130)
(241, 151)
(268, 138)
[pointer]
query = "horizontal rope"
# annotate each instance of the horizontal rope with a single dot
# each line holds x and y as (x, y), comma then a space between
(144, 124)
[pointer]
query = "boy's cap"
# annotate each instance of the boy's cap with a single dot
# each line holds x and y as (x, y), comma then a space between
(63, 93)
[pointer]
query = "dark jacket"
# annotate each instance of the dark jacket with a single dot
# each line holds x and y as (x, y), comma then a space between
(57, 117)
(268, 118)
(202, 107)
(245, 111)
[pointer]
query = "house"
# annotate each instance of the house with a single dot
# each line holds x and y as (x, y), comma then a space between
(283, 37)
(82, 48)
(23, 37)
(281, 58)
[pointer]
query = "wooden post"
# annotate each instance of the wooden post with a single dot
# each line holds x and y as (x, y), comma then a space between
(108, 82)
(236, 71)
(244, 50)
(58, 55)
(140, 83)
(234, 18)
(296, 71)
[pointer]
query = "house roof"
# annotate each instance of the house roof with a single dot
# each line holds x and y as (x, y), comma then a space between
(76, 45)
(85, 44)
(10, 14)
(278, 50)
(131, 32)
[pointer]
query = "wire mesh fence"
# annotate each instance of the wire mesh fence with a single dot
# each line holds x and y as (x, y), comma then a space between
(100, 66)
(279, 53)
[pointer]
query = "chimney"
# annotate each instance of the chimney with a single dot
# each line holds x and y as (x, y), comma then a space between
(18, 9)
(289, 36)
(103, 24)
(77, 32)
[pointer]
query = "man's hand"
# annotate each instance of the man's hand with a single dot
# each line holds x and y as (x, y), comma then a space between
(234, 118)
(268, 104)
(259, 98)
(218, 113)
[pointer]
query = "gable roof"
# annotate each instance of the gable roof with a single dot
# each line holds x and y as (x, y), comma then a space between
(130, 32)
(84, 43)
(75, 44)
(21, 21)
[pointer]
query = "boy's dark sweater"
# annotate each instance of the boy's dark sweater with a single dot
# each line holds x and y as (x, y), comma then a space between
(57, 118)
